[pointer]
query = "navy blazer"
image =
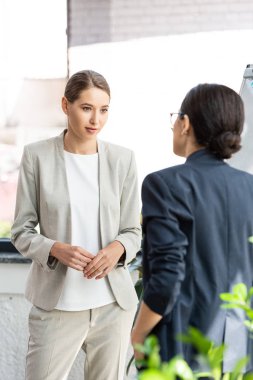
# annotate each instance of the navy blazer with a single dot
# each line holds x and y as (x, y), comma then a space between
(197, 218)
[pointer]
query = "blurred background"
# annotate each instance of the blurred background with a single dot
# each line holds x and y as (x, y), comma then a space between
(150, 51)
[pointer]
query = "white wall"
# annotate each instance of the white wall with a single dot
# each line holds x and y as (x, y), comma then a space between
(14, 310)
(13, 322)
(33, 44)
(149, 78)
(13, 336)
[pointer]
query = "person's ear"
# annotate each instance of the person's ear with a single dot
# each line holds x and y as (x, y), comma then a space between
(64, 105)
(186, 125)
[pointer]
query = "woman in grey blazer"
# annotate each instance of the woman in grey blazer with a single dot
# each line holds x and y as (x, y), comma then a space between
(82, 193)
(197, 218)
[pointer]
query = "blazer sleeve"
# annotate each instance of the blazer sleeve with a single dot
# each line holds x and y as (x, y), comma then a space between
(164, 245)
(24, 236)
(130, 230)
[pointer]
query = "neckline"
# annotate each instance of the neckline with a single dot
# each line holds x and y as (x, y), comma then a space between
(81, 155)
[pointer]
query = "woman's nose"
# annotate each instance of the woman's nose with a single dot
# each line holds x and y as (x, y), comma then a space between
(94, 118)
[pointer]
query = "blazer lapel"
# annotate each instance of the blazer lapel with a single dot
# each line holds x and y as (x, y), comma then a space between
(62, 184)
(102, 170)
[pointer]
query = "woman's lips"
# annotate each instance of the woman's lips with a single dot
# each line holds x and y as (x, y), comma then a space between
(91, 130)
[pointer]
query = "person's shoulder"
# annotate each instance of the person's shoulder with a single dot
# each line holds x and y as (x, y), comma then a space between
(167, 175)
(239, 173)
(41, 145)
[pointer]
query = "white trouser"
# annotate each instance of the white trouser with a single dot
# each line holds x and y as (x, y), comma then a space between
(57, 336)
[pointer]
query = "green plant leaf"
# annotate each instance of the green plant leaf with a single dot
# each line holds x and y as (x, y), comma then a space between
(249, 325)
(200, 375)
(151, 344)
(215, 356)
(250, 293)
(177, 367)
(197, 339)
(234, 306)
(239, 368)
(248, 376)
(152, 374)
(154, 360)
(216, 373)
(250, 239)
(140, 348)
(241, 291)
(228, 297)
(249, 313)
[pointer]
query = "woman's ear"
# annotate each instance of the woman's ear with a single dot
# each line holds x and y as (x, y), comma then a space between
(186, 125)
(64, 105)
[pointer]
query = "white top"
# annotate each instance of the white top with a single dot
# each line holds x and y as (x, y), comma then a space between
(78, 292)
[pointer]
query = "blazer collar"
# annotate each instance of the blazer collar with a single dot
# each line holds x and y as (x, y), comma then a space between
(60, 143)
(203, 155)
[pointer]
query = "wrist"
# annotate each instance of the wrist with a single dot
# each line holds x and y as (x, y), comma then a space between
(122, 252)
(53, 250)
(138, 336)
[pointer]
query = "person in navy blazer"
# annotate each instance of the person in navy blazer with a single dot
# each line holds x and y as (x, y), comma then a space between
(197, 218)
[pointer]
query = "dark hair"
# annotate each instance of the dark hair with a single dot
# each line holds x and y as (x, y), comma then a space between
(83, 80)
(216, 114)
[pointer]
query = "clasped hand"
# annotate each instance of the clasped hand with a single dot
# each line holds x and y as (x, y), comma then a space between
(104, 261)
(92, 266)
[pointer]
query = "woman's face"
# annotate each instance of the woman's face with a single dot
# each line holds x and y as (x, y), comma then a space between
(88, 114)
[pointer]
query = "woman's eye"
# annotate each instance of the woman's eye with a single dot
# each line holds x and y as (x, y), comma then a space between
(104, 110)
(86, 109)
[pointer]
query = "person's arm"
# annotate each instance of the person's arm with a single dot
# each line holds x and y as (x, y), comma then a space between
(24, 236)
(127, 243)
(165, 244)
(45, 252)
(145, 321)
(164, 250)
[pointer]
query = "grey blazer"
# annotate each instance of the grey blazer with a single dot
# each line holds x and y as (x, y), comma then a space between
(43, 200)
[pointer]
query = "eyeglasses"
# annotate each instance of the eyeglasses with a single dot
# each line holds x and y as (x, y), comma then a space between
(173, 118)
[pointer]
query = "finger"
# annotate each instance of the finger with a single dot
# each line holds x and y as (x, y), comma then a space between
(104, 273)
(85, 253)
(90, 272)
(93, 275)
(85, 260)
(78, 263)
(93, 264)
(76, 267)
(97, 270)
(83, 266)
(81, 260)
(77, 257)
(80, 252)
